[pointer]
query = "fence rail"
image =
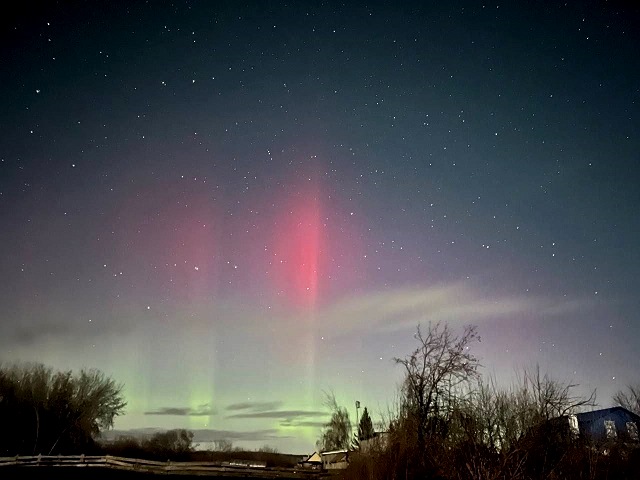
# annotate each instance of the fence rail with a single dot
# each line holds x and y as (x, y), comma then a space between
(150, 466)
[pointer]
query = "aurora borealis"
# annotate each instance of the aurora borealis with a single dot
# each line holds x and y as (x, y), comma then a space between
(233, 207)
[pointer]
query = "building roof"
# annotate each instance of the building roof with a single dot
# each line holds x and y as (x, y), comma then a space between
(603, 412)
(332, 452)
(335, 456)
(313, 458)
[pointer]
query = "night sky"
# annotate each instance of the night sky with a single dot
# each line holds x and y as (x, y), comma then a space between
(231, 208)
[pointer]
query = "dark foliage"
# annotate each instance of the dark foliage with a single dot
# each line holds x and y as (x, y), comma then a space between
(172, 443)
(272, 458)
(42, 411)
(177, 445)
(337, 432)
(169, 445)
(452, 425)
(365, 426)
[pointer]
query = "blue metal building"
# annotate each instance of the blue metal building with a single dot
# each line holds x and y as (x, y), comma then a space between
(608, 424)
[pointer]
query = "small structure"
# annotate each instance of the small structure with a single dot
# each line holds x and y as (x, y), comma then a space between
(615, 423)
(313, 461)
(335, 459)
(376, 443)
(245, 463)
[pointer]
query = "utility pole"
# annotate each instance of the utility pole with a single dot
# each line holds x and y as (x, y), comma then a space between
(357, 419)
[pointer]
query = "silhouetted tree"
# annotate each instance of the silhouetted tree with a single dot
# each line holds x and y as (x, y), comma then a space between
(268, 449)
(222, 445)
(42, 411)
(337, 432)
(629, 399)
(365, 427)
(515, 432)
(171, 444)
(450, 426)
(127, 446)
(433, 372)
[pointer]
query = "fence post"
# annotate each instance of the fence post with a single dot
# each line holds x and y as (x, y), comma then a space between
(39, 458)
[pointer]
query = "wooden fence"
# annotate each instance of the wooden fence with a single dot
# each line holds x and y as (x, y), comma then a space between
(150, 466)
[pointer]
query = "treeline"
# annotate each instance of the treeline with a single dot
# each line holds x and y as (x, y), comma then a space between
(267, 454)
(177, 445)
(48, 412)
(450, 423)
(170, 445)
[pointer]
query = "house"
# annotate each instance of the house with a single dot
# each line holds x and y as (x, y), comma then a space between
(313, 461)
(615, 423)
(335, 460)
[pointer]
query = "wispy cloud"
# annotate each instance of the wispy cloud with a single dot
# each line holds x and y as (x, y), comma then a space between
(199, 411)
(303, 423)
(456, 302)
(29, 335)
(271, 410)
(42, 324)
(280, 414)
(203, 435)
(254, 406)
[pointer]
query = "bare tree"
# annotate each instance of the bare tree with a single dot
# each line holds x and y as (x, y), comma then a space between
(95, 400)
(508, 415)
(629, 399)
(223, 445)
(46, 411)
(434, 372)
(171, 444)
(268, 449)
(551, 398)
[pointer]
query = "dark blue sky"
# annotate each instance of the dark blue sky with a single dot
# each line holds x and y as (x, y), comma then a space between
(231, 205)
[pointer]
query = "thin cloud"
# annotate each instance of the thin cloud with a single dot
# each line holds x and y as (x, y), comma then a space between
(203, 435)
(200, 411)
(33, 330)
(304, 423)
(30, 335)
(254, 406)
(280, 414)
(567, 306)
(457, 302)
